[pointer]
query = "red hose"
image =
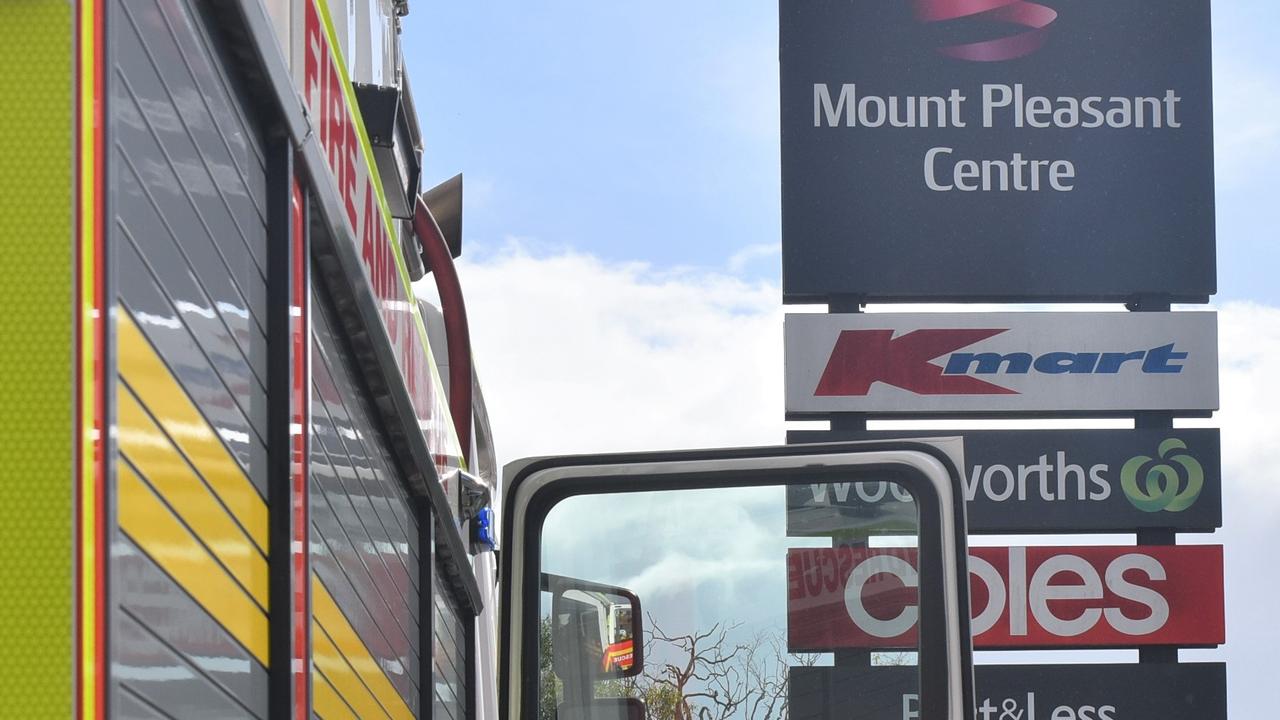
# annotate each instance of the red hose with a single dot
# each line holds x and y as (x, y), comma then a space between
(439, 262)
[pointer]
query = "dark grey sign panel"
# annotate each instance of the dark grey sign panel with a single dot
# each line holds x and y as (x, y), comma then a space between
(1188, 691)
(944, 150)
(1041, 481)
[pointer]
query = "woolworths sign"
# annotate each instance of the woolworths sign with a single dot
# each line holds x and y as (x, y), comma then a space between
(1042, 481)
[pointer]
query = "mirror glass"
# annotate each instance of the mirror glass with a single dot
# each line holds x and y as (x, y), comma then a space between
(746, 602)
(593, 628)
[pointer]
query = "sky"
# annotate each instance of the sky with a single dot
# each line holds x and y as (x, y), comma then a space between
(621, 243)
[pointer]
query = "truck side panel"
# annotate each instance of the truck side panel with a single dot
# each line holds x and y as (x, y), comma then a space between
(364, 532)
(186, 229)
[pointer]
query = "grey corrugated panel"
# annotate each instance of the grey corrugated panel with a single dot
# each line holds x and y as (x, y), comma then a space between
(340, 569)
(339, 566)
(174, 168)
(194, 137)
(388, 496)
(220, 401)
(188, 242)
(177, 217)
(346, 506)
(381, 592)
(332, 422)
(448, 624)
(234, 344)
(447, 674)
(127, 705)
(344, 433)
(444, 705)
(138, 226)
(152, 598)
(145, 665)
(448, 651)
(401, 671)
(148, 204)
(448, 691)
(243, 180)
(445, 659)
(404, 514)
(446, 702)
(373, 487)
(444, 662)
(147, 197)
(365, 555)
(214, 83)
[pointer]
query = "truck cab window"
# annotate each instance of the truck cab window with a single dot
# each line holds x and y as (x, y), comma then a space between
(737, 607)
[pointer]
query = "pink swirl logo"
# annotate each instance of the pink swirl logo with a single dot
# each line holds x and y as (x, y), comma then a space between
(1032, 17)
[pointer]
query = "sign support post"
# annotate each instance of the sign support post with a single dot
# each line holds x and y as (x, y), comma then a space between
(841, 423)
(1154, 536)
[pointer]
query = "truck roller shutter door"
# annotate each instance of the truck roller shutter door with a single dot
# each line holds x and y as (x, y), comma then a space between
(364, 540)
(186, 236)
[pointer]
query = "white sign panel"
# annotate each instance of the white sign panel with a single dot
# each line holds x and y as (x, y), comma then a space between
(917, 363)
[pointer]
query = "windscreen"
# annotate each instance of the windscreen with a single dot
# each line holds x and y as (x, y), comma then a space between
(756, 602)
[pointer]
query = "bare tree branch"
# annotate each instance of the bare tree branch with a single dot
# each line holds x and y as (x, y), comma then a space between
(708, 676)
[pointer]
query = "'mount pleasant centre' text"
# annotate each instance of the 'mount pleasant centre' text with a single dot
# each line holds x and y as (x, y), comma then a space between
(1000, 106)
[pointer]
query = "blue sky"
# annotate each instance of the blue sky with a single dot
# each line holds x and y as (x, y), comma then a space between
(648, 131)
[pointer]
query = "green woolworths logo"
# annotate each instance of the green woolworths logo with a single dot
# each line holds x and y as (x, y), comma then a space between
(1160, 491)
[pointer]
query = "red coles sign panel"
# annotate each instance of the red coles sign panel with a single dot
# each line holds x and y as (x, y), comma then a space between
(1032, 597)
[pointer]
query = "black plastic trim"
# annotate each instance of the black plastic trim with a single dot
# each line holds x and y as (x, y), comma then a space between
(280, 260)
(931, 597)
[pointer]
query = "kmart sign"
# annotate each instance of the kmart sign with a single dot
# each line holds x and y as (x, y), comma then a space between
(964, 363)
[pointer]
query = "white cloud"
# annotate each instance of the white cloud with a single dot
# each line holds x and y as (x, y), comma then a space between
(741, 259)
(579, 355)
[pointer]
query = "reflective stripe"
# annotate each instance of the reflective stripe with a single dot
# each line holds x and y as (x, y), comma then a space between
(91, 380)
(158, 461)
(155, 529)
(344, 638)
(331, 661)
(326, 702)
(160, 392)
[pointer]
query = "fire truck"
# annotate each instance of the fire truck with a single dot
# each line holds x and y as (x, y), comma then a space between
(247, 471)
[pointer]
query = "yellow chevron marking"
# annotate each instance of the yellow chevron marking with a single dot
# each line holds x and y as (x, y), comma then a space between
(325, 701)
(329, 659)
(145, 519)
(345, 639)
(161, 393)
(159, 462)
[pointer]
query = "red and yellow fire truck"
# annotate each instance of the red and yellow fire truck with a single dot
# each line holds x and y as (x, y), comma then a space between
(282, 459)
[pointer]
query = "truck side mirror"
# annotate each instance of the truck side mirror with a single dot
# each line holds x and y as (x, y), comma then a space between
(596, 629)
